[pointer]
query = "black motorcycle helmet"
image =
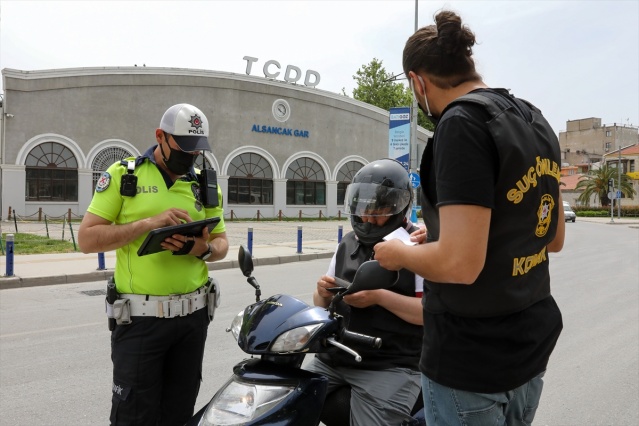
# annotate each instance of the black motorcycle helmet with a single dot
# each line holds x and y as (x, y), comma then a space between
(380, 188)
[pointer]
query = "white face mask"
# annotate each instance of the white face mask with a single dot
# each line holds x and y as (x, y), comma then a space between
(412, 86)
(429, 115)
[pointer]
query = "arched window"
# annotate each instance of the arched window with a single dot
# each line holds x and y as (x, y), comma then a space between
(202, 163)
(306, 182)
(52, 173)
(250, 180)
(105, 158)
(344, 177)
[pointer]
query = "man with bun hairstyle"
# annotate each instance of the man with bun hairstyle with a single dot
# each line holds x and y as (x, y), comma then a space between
(157, 345)
(386, 383)
(493, 211)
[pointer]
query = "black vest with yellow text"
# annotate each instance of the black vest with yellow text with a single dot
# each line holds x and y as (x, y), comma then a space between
(524, 218)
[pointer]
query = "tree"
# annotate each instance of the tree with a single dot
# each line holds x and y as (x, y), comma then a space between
(596, 183)
(377, 87)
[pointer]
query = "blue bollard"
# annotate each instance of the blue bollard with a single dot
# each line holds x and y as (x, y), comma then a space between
(299, 240)
(413, 216)
(9, 255)
(250, 241)
(340, 229)
(101, 266)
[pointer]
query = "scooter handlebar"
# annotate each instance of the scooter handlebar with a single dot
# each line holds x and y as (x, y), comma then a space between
(348, 337)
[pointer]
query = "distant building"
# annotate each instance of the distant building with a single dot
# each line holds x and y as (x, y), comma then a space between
(586, 141)
(568, 191)
(629, 160)
(587, 145)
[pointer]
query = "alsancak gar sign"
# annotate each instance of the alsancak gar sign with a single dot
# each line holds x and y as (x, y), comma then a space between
(283, 131)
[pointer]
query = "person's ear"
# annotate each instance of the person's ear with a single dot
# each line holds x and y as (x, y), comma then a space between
(159, 136)
(416, 82)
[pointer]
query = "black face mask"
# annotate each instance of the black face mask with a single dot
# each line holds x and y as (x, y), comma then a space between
(369, 234)
(179, 162)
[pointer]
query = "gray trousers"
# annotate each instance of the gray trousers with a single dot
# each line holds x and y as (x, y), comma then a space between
(378, 397)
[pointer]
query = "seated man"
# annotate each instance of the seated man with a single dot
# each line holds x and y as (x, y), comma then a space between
(386, 383)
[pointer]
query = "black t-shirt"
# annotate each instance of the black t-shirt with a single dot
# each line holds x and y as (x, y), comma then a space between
(479, 354)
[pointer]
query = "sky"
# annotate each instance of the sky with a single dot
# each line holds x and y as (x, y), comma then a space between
(572, 59)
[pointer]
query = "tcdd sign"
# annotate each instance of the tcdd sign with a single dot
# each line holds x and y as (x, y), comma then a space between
(287, 75)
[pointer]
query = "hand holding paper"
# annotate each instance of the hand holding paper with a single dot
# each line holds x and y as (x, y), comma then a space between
(402, 235)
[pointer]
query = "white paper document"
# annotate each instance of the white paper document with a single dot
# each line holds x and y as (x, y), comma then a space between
(402, 235)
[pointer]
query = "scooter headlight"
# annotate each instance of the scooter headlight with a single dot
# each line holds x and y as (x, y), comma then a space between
(239, 403)
(295, 339)
(236, 325)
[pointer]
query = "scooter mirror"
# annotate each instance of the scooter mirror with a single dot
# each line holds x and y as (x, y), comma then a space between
(245, 260)
(371, 276)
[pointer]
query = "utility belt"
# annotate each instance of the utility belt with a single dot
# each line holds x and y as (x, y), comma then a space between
(121, 308)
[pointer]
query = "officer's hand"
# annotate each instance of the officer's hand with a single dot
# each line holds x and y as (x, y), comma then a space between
(201, 243)
(170, 217)
(177, 242)
(389, 254)
(323, 283)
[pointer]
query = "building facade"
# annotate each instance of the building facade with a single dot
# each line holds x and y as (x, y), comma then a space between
(627, 159)
(279, 148)
(586, 141)
(587, 145)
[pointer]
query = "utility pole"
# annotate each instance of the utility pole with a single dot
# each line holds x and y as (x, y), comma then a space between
(413, 134)
(618, 176)
(413, 122)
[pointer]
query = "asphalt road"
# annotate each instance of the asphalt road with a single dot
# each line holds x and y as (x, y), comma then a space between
(54, 343)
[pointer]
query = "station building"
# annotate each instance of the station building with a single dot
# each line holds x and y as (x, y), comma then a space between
(279, 147)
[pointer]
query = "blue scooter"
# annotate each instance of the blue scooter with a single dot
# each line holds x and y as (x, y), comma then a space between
(271, 388)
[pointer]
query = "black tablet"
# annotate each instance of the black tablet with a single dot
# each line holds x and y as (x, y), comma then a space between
(153, 239)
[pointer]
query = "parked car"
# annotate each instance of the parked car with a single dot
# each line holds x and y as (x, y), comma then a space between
(569, 215)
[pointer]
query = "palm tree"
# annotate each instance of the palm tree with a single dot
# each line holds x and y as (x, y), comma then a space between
(596, 183)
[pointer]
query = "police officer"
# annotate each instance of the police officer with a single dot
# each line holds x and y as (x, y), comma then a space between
(157, 347)
(493, 210)
(386, 383)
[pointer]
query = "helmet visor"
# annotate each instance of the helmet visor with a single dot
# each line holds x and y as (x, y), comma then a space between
(372, 199)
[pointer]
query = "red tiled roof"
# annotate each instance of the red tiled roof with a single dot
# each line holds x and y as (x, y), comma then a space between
(570, 182)
(634, 149)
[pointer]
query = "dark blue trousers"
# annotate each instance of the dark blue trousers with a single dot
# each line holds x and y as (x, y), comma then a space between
(157, 369)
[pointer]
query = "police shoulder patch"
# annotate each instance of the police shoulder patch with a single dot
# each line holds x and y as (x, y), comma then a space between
(103, 182)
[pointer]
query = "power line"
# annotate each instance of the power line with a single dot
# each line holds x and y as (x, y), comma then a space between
(395, 78)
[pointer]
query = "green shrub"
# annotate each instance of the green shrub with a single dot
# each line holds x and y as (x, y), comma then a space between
(630, 211)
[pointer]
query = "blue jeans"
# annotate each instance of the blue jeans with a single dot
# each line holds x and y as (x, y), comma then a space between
(445, 406)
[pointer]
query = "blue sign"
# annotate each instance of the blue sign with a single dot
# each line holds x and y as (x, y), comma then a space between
(414, 179)
(618, 194)
(399, 135)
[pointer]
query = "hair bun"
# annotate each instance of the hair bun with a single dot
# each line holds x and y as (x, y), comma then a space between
(453, 38)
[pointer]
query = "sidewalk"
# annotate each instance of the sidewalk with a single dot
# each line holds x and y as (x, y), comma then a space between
(631, 222)
(274, 243)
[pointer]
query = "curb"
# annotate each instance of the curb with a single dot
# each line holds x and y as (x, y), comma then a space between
(606, 220)
(17, 282)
